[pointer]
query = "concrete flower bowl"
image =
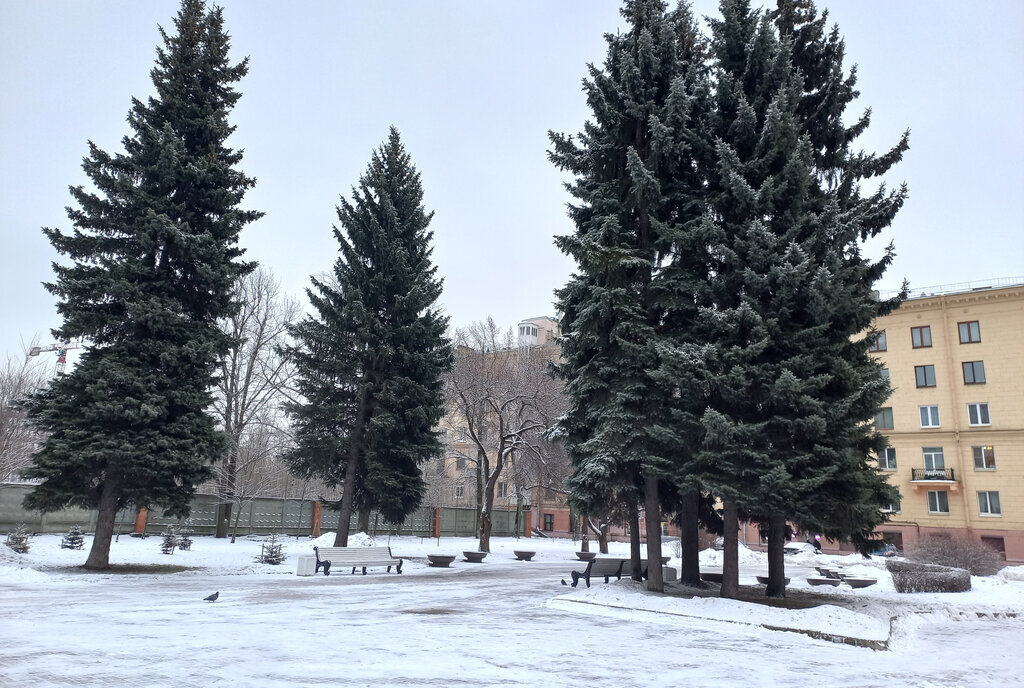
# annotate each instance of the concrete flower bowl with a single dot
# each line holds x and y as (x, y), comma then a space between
(474, 557)
(586, 556)
(823, 581)
(523, 555)
(763, 580)
(855, 582)
(711, 577)
(441, 560)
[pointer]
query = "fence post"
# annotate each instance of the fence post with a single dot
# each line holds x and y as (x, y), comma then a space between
(437, 522)
(529, 523)
(140, 519)
(318, 517)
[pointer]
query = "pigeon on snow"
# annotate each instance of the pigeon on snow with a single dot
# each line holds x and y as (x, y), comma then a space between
(213, 597)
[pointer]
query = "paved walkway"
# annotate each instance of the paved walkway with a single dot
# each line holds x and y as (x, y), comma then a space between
(474, 625)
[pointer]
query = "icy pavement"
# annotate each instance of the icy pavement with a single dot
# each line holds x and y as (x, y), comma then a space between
(474, 624)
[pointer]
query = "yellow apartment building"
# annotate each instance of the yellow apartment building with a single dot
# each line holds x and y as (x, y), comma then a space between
(955, 420)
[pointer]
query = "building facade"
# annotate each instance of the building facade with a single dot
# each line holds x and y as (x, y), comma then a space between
(955, 420)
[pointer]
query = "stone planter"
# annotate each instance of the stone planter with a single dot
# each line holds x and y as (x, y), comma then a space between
(711, 577)
(474, 557)
(855, 582)
(441, 560)
(586, 556)
(763, 580)
(523, 555)
(824, 581)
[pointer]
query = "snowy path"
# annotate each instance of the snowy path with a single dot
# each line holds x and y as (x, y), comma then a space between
(473, 625)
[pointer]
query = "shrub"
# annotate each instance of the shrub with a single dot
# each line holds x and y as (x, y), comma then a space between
(976, 557)
(170, 540)
(912, 576)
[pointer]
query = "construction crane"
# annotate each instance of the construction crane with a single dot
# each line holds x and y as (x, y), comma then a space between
(61, 348)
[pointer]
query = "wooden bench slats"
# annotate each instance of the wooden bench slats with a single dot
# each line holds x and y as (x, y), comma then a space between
(605, 567)
(356, 557)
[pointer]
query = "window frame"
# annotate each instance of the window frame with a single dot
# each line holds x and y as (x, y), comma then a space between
(935, 452)
(878, 344)
(887, 461)
(979, 452)
(549, 522)
(933, 414)
(974, 366)
(970, 335)
(988, 503)
(881, 416)
(937, 510)
(919, 334)
(922, 371)
(460, 491)
(978, 405)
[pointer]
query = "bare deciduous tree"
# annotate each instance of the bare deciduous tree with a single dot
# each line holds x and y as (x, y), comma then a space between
(254, 375)
(506, 398)
(18, 377)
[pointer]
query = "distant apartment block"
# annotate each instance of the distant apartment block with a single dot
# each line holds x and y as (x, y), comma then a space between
(955, 420)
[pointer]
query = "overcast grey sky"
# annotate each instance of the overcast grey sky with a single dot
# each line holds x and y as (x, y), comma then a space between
(474, 87)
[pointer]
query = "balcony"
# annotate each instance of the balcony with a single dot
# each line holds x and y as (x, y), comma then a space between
(933, 477)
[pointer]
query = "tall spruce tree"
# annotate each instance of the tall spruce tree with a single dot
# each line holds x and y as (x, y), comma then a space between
(152, 261)
(633, 166)
(370, 364)
(792, 389)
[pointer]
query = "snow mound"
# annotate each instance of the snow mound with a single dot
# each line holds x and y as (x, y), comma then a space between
(1012, 573)
(714, 558)
(354, 540)
(15, 575)
(630, 595)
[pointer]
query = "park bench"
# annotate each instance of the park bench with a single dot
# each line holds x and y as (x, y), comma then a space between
(608, 567)
(356, 557)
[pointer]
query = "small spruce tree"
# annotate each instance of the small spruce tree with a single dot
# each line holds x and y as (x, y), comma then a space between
(74, 539)
(18, 540)
(170, 540)
(271, 552)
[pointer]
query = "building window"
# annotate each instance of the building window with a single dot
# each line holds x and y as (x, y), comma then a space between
(984, 458)
(883, 419)
(974, 372)
(549, 521)
(925, 375)
(893, 508)
(988, 504)
(921, 336)
(460, 463)
(929, 416)
(887, 459)
(503, 489)
(885, 374)
(970, 332)
(878, 344)
(463, 435)
(938, 502)
(460, 491)
(977, 414)
(934, 462)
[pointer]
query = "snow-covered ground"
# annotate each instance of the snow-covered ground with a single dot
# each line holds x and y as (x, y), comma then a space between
(502, 622)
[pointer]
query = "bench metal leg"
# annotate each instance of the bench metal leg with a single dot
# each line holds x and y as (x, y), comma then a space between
(575, 578)
(399, 567)
(353, 570)
(364, 570)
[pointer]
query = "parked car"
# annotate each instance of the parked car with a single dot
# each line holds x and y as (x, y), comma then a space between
(798, 547)
(885, 550)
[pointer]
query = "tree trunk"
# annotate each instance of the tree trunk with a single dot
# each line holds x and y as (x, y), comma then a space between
(481, 467)
(777, 531)
(99, 554)
(519, 513)
(730, 551)
(584, 538)
(689, 539)
(634, 542)
(485, 531)
(602, 538)
(364, 519)
(227, 491)
(238, 517)
(224, 511)
(652, 518)
(355, 458)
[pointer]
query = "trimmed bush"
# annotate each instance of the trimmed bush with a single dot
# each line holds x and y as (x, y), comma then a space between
(976, 557)
(912, 576)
